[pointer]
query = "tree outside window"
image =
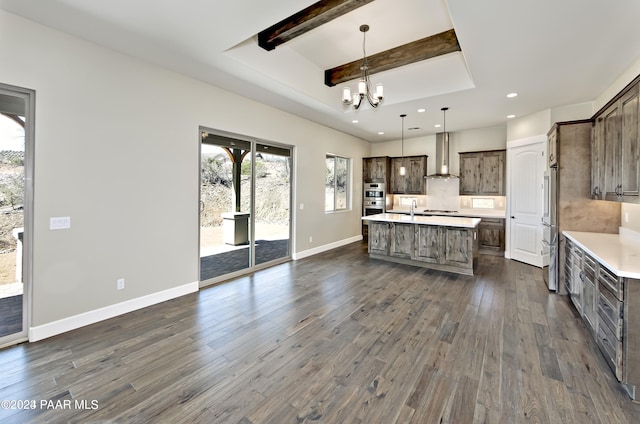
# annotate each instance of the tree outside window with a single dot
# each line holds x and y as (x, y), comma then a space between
(337, 187)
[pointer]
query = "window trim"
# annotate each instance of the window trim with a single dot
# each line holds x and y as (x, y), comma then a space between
(349, 179)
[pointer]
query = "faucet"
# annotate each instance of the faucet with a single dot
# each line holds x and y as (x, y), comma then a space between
(413, 206)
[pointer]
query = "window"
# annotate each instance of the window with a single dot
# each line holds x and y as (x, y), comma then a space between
(337, 186)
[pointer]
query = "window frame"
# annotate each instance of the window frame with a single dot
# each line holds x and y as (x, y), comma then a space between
(348, 177)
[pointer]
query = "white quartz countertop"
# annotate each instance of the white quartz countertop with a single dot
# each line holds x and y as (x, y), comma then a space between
(476, 213)
(617, 252)
(445, 221)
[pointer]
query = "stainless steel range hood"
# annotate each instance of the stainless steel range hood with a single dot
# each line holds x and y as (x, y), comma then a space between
(442, 157)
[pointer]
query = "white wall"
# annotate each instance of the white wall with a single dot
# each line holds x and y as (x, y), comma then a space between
(491, 138)
(621, 82)
(116, 149)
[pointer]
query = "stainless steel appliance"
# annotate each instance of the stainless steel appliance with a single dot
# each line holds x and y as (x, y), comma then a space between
(374, 198)
(569, 206)
(550, 228)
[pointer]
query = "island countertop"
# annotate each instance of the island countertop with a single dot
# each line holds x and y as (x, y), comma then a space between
(445, 221)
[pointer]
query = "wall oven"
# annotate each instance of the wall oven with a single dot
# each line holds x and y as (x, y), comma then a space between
(374, 198)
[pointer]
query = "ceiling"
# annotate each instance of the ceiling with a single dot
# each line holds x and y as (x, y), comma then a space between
(552, 53)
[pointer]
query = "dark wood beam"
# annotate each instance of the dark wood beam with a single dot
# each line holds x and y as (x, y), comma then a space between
(426, 48)
(307, 19)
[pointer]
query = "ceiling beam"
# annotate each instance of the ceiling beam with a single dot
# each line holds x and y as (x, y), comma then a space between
(307, 19)
(426, 48)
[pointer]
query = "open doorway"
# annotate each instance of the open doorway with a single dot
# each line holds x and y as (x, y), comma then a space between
(245, 205)
(16, 147)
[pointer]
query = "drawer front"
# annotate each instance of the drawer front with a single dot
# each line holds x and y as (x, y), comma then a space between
(589, 267)
(611, 281)
(611, 349)
(610, 312)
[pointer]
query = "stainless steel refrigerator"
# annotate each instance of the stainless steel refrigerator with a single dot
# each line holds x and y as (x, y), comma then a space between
(568, 203)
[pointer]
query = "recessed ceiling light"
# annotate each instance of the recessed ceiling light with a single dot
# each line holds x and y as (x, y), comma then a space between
(437, 125)
(511, 116)
(422, 110)
(511, 95)
(355, 121)
(380, 132)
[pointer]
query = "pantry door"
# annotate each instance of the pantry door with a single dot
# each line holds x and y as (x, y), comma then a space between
(525, 164)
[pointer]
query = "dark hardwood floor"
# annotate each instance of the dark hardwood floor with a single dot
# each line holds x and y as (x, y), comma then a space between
(334, 338)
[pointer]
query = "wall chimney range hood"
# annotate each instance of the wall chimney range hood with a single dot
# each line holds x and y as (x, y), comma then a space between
(442, 153)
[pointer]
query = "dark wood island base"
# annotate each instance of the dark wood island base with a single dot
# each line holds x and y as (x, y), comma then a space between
(442, 243)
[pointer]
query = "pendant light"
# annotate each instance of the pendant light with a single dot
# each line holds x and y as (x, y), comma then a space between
(444, 169)
(403, 170)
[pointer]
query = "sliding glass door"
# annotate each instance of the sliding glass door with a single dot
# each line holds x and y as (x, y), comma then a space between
(245, 196)
(16, 169)
(272, 200)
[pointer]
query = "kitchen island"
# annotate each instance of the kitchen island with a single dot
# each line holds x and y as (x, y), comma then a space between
(444, 243)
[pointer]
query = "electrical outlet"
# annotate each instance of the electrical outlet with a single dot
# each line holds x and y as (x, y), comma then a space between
(120, 283)
(310, 239)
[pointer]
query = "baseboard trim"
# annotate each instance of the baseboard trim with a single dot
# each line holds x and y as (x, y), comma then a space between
(325, 247)
(71, 323)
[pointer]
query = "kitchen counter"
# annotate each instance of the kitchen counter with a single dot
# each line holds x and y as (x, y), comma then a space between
(475, 213)
(445, 243)
(448, 221)
(619, 253)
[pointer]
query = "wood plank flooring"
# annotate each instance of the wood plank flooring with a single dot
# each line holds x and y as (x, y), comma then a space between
(335, 338)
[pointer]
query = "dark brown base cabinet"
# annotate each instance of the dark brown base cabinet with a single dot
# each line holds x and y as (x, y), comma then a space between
(610, 307)
(491, 233)
(452, 249)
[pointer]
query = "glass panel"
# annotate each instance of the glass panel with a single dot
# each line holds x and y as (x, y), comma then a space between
(12, 159)
(342, 183)
(272, 201)
(329, 190)
(225, 205)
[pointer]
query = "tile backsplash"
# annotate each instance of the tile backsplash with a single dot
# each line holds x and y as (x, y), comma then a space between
(443, 193)
(403, 202)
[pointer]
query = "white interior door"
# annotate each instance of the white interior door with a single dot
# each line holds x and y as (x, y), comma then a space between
(526, 176)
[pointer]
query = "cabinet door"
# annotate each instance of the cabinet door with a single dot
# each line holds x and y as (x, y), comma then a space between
(491, 234)
(374, 169)
(416, 171)
(612, 142)
(402, 240)
(470, 173)
(458, 250)
(629, 169)
(597, 160)
(367, 169)
(552, 149)
(492, 173)
(379, 172)
(398, 182)
(428, 243)
(379, 238)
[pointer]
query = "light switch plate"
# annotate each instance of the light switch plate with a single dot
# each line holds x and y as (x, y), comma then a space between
(59, 223)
